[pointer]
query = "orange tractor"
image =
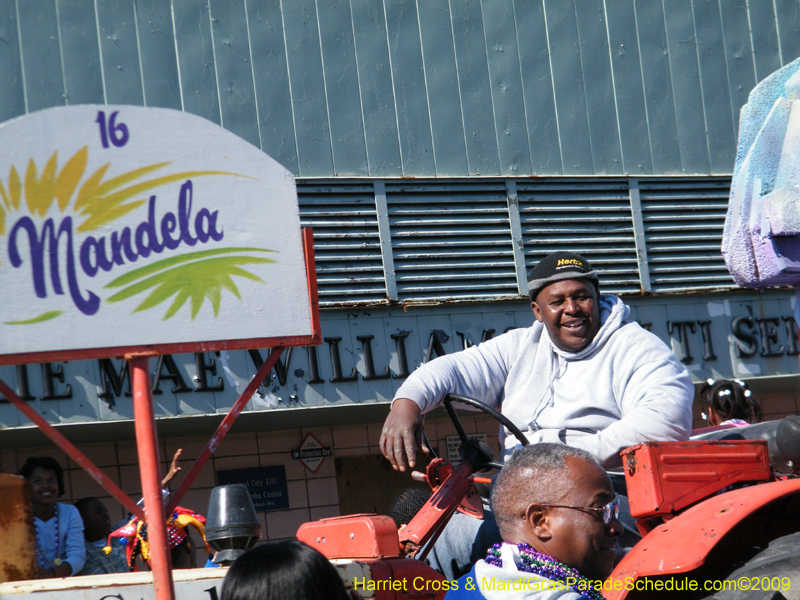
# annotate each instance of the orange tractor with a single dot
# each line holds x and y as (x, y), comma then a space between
(721, 508)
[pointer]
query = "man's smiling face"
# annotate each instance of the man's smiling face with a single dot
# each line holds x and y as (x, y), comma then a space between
(570, 311)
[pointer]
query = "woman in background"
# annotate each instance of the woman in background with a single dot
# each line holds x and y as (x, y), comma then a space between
(288, 570)
(60, 550)
(729, 403)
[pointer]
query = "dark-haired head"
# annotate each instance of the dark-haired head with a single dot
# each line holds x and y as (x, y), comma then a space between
(724, 400)
(48, 463)
(96, 522)
(407, 504)
(84, 503)
(288, 570)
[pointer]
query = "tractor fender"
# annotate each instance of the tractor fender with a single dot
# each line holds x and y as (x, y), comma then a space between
(683, 543)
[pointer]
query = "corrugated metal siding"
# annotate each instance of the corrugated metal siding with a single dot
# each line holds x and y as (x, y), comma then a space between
(454, 240)
(346, 241)
(389, 88)
(593, 219)
(451, 241)
(683, 221)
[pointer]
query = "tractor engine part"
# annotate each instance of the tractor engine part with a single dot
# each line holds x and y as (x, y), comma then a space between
(666, 477)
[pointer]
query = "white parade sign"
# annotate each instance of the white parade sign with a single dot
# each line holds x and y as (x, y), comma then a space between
(129, 227)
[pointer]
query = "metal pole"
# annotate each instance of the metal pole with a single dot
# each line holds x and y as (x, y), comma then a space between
(149, 468)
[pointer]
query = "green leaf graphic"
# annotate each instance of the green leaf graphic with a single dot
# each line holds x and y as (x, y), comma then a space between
(176, 260)
(43, 317)
(195, 277)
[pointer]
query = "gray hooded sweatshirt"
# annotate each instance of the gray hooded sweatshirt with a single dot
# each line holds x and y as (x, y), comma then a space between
(624, 388)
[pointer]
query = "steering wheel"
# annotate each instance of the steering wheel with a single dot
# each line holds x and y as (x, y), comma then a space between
(498, 416)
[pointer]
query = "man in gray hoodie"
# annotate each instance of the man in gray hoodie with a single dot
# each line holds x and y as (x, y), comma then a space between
(582, 375)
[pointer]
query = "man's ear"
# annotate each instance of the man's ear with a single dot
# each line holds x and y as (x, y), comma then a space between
(537, 521)
(536, 311)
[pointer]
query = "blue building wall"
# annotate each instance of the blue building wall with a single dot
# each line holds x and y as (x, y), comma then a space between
(391, 88)
(527, 126)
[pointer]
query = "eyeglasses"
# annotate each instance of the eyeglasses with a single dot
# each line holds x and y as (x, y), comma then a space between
(610, 511)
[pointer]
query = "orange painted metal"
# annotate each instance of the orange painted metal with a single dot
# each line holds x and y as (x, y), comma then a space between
(353, 536)
(373, 540)
(438, 471)
(68, 447)
(684, 543)
(150, 473)
(381, 571)
(432, 517)
(666, 477)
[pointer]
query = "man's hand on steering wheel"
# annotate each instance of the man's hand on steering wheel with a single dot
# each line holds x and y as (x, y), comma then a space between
(402, 435)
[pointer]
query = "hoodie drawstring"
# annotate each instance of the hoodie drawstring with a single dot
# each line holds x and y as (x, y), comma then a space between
(561, 368)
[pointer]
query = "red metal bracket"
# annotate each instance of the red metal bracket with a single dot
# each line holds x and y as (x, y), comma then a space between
(223, 428)
(430, 520)
(313, 295)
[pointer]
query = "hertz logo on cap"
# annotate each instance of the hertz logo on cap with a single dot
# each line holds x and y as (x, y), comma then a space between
(563, 262)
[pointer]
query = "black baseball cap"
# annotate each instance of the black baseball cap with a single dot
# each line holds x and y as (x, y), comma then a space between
(557, 267)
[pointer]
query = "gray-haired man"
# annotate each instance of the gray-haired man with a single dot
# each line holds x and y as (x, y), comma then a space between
(557, 514)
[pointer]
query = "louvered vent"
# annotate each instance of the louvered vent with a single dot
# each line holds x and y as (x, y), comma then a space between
(683, 222)
(346, 241)
(592, 218)
(451, 240)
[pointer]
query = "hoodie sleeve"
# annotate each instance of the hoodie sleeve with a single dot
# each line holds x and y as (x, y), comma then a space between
(655, 395)
(478, 372)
